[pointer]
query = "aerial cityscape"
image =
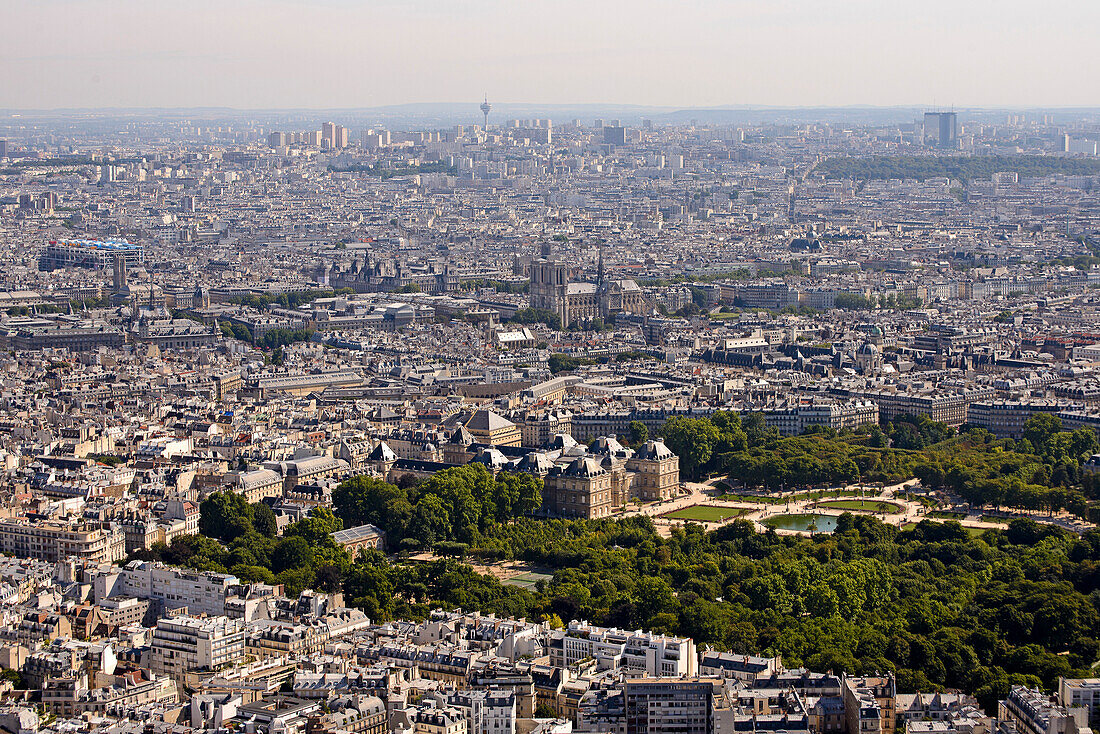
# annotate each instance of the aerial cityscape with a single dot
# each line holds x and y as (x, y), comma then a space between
(584, 416)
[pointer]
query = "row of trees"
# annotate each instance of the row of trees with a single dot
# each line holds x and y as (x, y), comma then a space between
(500, 286)
(293, 299)
(1042, 471)
(860, 302)
(745, 448)
(242, 539)
(272, 339)
(456, 505)
(537, 316)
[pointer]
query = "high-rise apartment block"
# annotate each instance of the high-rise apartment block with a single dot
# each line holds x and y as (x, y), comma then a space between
(941, 129)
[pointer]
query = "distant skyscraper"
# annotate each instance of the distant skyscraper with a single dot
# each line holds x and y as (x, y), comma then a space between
(942, 129)
(3, 148)
(485, 109)
(328, 134)
(614, 135)
(371, 140)
(276, 140)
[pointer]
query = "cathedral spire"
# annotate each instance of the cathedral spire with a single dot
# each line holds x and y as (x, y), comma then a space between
(600, 271)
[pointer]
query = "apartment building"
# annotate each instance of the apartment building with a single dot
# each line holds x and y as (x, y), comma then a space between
(869, 704)
(1033, 712)
(367, 715)
(746, 668)
(71, 697)
(487, 711)
(281, 639)
(54, 540)
(1081, 692)
(653, 654)
(256, 484)
(656, 706)
(940, 406)
(794, 419)
(185, 643)
(199, 592)
(1006, 418)
(439, 721)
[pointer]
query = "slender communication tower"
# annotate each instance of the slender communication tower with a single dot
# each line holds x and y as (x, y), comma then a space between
(485, 108)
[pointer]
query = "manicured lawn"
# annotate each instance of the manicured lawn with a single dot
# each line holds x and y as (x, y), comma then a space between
(865, 505)
(779, 500)
(705, 513)
(945, 515)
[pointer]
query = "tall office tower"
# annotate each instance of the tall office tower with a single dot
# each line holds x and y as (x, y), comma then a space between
(276, 140)
(3, 148)
(942, 129)
(340, 137)
(598, 123)
(328, 133)
(614, 135)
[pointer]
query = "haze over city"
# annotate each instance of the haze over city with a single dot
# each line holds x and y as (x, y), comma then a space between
(276, 54)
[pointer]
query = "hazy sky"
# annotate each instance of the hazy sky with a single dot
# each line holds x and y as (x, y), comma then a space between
(346, 53)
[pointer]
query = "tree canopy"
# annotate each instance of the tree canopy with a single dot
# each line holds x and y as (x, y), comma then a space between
(458, 504)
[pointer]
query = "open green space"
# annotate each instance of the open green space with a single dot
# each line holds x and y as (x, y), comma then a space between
(705, 513)
(972, 532)
(946, 515)
(862, 505)
(803, 522)
(528, 580)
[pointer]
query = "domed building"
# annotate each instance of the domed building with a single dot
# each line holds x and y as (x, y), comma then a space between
(868, 358)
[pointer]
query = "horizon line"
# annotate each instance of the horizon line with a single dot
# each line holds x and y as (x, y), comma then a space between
(566, 105)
